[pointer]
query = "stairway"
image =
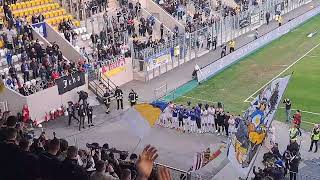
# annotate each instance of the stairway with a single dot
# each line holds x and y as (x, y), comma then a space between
(98, 83)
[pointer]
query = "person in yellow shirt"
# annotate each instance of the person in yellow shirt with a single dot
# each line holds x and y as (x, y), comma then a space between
(315, 137)
(232, 45)
(279, 20)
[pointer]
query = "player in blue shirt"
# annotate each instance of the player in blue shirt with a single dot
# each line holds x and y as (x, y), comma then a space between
(192, 116)
(198, 118)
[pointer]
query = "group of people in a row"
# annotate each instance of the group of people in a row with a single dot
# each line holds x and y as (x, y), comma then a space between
(202, 118)
(30, 157)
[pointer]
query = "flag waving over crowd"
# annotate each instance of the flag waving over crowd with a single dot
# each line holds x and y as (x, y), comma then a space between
(252, 128)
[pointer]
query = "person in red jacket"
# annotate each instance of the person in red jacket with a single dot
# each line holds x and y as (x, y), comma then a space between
(297, 119)
(55, 75)
(25, 114)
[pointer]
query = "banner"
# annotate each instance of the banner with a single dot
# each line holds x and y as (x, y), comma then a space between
(157, 60)
(114, 67)
(40, 28)
(67, 83)
(253, 126)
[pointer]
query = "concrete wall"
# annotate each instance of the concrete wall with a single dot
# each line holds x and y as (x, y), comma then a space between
(163, 15)
(124, 76)
(15, 100)
(223, 63)
(46, 100)
(66, 47)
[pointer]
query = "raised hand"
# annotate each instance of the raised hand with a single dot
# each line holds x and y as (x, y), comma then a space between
(164, 173)
(146, 160)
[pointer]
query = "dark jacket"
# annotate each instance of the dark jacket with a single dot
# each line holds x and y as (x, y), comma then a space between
(50, 167)
(72, 171)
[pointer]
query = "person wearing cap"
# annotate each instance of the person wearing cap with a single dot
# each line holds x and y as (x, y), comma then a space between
(315, 136)
(133, 98)
(287, 103)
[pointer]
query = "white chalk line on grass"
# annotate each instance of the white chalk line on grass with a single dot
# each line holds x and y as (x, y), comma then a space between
(198, 99)
(313, 56)
(246, 100)
(308, 112)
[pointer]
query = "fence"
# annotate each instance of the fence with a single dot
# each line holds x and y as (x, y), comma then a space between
(177, 174)
(192, 45)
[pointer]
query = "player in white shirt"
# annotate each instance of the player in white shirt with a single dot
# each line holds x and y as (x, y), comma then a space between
(211, 114)
(204, 120)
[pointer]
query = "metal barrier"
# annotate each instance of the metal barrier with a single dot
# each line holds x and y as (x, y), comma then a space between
(193, 45)
(301, 176)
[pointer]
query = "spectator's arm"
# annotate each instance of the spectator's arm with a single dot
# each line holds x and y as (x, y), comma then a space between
(145, 162)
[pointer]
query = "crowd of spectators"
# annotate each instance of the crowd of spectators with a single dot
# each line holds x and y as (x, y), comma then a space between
(277, 165)
(28, 157)
(35, 61)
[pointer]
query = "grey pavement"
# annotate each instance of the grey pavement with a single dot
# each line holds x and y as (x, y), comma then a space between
(175, 149)
(182, 74)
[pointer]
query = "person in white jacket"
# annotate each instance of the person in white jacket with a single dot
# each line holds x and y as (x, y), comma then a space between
(204, 120)
(211, 114)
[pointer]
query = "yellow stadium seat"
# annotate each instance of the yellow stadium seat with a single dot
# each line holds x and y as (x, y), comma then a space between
(45, 15)
(59, 13)
(19, 6)
(56, 13)
(38, 3)
(15, 14)
(21, 14)
(33, 3)
(53, 21)
(35, 10)
(77, 23)
(44, 8)
(46, 1)
(56, 5)
(51, 14)
(40, 9)
(49, 7)
(50, 1)
(23, 5)
(13, 7)
(28, 4)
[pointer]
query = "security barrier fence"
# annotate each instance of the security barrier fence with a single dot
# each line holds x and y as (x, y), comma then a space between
(190, 45)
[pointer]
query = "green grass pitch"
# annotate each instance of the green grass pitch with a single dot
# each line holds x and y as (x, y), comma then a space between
(238, 82)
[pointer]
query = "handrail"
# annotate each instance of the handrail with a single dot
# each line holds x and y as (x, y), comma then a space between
(108, 83)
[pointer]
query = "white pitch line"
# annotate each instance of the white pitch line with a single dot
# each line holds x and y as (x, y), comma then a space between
(283, 71)
(198, 99)
(308, 112)
(312, 56)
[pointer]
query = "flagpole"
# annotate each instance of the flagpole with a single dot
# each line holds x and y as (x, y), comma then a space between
(136, 145)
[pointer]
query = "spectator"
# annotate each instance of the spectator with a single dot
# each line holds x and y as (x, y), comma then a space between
(71, 169)
(50, 166)
(126, 174)
(315, 136)
(101, 174)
